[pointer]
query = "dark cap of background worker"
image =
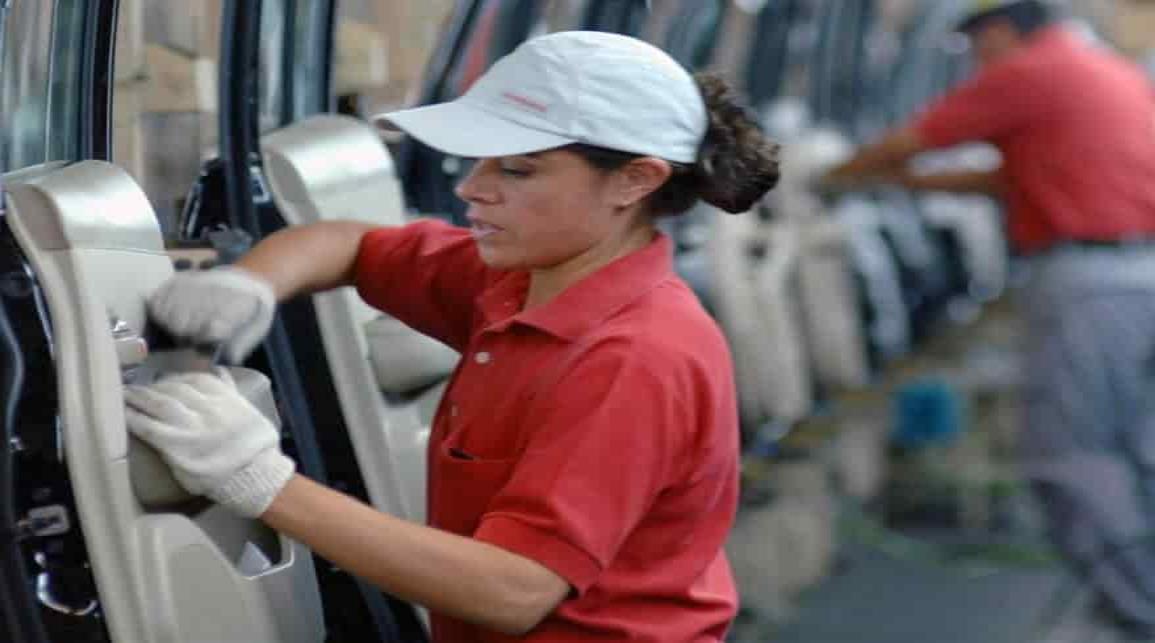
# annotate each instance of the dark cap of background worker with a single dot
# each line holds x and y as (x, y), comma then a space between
(1026, 15)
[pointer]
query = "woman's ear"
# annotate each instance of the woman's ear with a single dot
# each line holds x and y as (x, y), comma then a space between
(638, 179)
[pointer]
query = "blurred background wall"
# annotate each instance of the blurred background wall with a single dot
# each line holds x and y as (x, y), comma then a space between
(166, 70)
(166, 78)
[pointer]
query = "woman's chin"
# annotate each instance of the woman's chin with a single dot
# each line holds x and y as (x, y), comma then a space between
(496, 259)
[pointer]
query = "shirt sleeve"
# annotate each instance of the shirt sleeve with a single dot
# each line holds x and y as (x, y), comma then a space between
(989, 107)
(602, 448)
(427, 274)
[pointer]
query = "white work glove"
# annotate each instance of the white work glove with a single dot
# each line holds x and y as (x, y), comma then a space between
(216, 442)
(226, 306)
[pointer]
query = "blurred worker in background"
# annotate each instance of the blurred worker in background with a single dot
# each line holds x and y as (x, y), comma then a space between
(1075, 125)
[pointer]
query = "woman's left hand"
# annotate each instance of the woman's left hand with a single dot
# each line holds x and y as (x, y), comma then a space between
(216, 441)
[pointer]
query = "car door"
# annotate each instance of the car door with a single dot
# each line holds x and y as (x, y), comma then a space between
(89, 555)
(48, 590)
(98, 543)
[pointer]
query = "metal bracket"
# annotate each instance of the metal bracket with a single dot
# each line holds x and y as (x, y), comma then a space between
(261, 192)
(43, 522)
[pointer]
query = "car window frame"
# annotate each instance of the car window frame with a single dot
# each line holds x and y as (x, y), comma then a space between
(89, 126)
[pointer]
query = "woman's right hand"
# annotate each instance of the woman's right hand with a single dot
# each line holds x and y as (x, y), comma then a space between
(226, 306)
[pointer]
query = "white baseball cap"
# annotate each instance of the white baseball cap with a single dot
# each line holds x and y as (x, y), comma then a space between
(590, 87)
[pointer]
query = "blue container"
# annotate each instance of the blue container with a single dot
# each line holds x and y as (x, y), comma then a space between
(927, 412)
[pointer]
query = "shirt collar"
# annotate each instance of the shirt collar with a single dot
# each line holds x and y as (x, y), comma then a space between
(585, 304)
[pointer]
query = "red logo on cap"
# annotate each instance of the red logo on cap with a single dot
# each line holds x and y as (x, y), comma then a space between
(525, 102)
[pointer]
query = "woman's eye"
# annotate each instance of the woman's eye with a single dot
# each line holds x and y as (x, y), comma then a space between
(514, 172)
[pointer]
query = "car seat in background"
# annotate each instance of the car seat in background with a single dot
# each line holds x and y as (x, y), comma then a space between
(926, 269)
(971, 225)
(829, 294)
(775, 280)
(388, 377)
(754, 270)
(885, 313)
(754, 289)
(161, 561)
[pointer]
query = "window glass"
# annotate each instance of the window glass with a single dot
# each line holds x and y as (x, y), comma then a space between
(694, 32)
(271, 80)
(382, 47)
(39, 96)
(64, 101)
(769, 55)
(928, 63)
(165, 112)
(504, 24)
(310, 35)
(617, 16)
(381, 51)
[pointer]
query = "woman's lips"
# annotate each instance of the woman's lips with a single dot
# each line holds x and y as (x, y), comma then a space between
(482, 230)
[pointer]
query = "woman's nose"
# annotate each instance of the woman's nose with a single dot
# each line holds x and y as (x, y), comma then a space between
(475, 187)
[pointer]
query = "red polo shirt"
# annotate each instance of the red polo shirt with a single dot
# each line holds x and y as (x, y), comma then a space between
(596, 434)
(1076, 128)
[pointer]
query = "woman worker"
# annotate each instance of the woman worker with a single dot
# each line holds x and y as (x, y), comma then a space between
(583, 464)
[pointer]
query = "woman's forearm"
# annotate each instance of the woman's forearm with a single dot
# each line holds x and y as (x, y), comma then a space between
(463, 578)
(963, 182)
(306, 259)
(878, 159)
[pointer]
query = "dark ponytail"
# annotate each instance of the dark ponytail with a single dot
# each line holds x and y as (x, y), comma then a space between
(736, 165)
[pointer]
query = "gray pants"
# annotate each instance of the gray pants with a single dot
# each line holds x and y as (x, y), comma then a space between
(1088, 444)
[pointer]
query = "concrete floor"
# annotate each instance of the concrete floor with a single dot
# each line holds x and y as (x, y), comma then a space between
(880, 593)
(877, 598)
